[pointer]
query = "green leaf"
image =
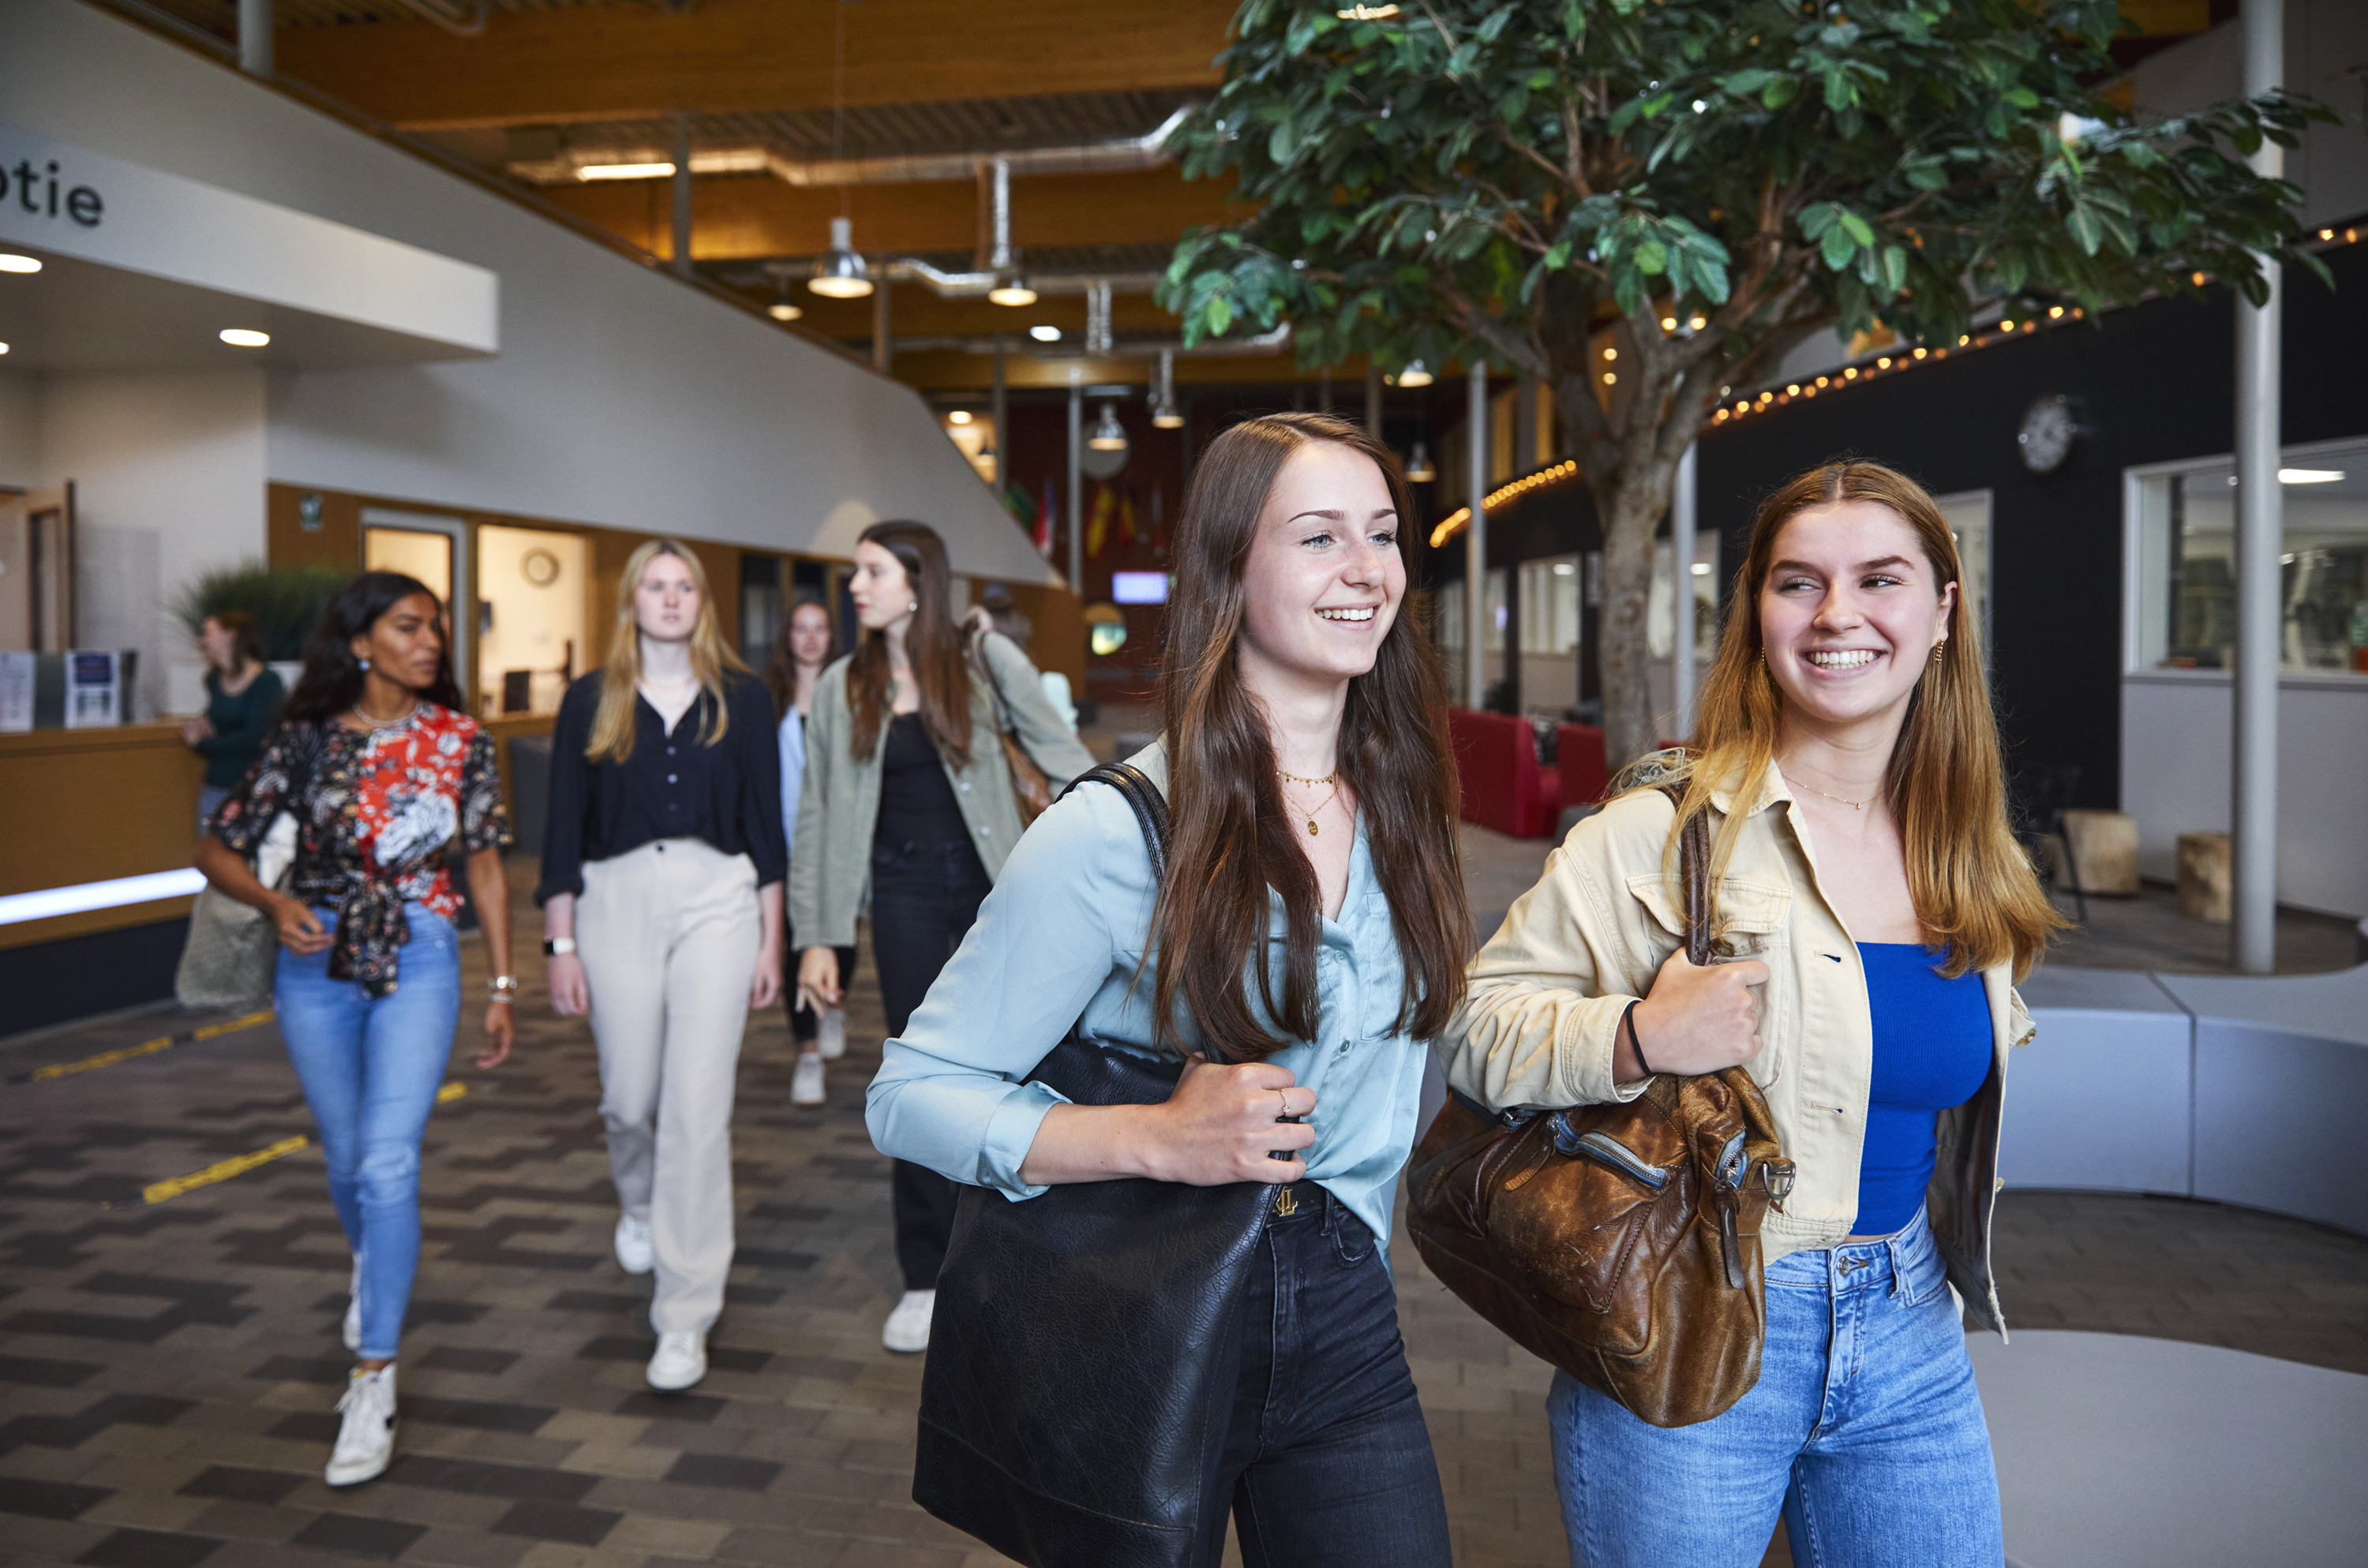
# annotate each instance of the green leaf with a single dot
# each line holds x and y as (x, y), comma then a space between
(2021, 98)
(2085, 230)
(1219, 312)
(1779, 92)
(1857, 227)
(1652, 257)
(1837, 249)
(1283, 142)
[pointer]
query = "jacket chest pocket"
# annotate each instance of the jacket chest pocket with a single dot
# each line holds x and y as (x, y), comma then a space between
(1753, 919)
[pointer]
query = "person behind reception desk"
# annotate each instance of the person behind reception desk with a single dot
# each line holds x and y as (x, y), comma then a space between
(243, 699)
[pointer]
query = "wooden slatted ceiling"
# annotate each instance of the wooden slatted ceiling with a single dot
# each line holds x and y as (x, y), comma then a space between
(629, 61)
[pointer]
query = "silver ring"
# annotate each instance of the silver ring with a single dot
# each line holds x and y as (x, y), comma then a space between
(1285, 1096)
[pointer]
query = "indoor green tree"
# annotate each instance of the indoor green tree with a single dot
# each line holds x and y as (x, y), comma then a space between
(1715, 180)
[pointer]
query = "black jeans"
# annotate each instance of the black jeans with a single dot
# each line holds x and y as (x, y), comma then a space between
(1327, 1464)
(924, 897)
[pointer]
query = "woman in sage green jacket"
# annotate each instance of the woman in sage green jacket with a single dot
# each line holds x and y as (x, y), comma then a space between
(907, 806)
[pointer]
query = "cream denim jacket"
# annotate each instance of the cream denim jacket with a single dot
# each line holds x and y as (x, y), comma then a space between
(1547, 992)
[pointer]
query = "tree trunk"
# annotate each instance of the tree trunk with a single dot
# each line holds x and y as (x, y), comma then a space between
(1630, 508)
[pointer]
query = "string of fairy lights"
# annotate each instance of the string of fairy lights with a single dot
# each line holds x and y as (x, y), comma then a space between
(1875, 362)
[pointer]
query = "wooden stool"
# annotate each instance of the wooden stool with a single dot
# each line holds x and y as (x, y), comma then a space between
(2104, 853)
(2204, 877)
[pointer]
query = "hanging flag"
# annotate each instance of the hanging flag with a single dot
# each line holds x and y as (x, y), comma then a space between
(1126, 515)
(1097, 530)
(1044, 521)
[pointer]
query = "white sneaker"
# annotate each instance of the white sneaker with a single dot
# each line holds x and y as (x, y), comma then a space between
(634, 1255)
(681, 1360)
(830, 1033)
(353, 1325)
(908, 1326)
(806, 1080)
(366, 1440)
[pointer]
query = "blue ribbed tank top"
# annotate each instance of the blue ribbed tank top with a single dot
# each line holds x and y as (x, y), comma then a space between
(1932, 1053)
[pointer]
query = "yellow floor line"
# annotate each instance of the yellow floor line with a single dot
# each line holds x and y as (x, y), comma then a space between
(148, 1047)
(239, 1165)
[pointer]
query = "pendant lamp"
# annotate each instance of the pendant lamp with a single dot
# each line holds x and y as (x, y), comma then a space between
(841, 275)
(1108, 436)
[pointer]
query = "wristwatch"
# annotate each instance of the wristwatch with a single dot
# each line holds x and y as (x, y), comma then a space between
(502, 987)
(557, 946)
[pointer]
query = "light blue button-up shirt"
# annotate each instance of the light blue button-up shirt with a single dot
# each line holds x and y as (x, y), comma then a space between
(1058, 942)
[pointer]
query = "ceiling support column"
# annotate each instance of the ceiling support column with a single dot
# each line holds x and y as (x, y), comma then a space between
(254, 37)
(2261, 530)
(1002, 414)
(1683, 504)
(1076, 494)
(1476, 543)
(682, 196)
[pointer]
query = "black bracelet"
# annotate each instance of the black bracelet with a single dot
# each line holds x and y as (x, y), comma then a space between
(1628, 1020)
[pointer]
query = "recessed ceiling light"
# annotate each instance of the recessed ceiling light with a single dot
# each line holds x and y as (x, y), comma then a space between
(244, 337)
(20, 264)
(625, 171)
(3, 348)
(1043, 334)
(2309, 475)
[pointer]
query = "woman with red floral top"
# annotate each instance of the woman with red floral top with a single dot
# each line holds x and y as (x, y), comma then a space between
(381, 770)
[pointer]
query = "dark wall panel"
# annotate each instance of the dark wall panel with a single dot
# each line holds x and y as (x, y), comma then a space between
(50, 982)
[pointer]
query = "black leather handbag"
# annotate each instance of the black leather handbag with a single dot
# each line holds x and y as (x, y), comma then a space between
(1082, 1353)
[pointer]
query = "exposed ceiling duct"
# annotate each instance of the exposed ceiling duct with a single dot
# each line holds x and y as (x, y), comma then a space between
(1265, 343)
(1117, 155)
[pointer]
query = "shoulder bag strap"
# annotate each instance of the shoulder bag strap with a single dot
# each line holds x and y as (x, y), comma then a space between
(1693, 873)
(993, 684)
(1144, 798)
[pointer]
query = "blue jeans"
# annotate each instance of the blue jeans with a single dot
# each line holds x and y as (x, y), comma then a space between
(370, 1070)
(1327, 1462)
(1865, 1429)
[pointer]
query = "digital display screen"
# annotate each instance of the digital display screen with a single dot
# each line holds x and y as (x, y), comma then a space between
(1139, 588)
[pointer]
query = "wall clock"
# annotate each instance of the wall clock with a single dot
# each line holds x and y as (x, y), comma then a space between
(2050, 426)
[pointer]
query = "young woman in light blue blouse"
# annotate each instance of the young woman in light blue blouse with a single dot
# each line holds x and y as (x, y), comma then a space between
(1309, 941)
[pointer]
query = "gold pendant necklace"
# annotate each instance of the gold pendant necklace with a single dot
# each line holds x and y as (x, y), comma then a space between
(1332, 778)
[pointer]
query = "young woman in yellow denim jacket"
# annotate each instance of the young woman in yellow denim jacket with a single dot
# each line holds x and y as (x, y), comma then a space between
(1874, 910)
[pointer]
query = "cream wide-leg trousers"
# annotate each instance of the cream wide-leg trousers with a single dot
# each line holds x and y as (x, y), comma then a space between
(667, 935)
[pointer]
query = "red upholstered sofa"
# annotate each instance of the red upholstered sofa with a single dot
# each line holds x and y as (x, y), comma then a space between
(1580, 767)
(1504, 787)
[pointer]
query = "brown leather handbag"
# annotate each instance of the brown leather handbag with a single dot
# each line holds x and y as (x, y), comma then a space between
(1029, 788)
(1620, 1242)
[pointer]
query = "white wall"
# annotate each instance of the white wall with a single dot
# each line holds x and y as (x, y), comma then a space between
(619, 397)
(2175, 767)
(168, 472)
(20, 435)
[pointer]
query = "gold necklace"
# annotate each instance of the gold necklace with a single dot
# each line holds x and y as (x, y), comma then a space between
(1811, 788)
(1332, 778)
(370, 723)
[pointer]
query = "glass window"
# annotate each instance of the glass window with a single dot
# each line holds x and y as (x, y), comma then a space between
(1492, 589)
(1549, 605)
(1661, 602)
(2185, 541)
(1449, 602)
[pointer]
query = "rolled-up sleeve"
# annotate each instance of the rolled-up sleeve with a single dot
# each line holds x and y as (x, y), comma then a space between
(1543, 999)
(948, 1093)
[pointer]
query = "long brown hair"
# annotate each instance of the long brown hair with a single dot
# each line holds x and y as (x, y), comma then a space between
(781, 668)
(1972, 885)
(612, 722)
(933, 643)
(1227, 821)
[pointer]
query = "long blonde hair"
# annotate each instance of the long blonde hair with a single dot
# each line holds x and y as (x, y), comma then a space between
(1970, 880)
(612, 724)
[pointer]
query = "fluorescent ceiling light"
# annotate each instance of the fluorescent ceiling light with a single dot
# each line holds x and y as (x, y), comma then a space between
(1565, 569)
(109, 894)
(244, 337)
(1045, 334)
(2309, 475)
(1702, 568)
(19, 264)
(624, 171)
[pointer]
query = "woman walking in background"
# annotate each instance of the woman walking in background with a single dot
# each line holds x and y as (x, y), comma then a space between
(804, 646)
(381, 768)
(1309, 940)
(243, 699)
(661, 897)
(1865, 881)
(908, 792)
